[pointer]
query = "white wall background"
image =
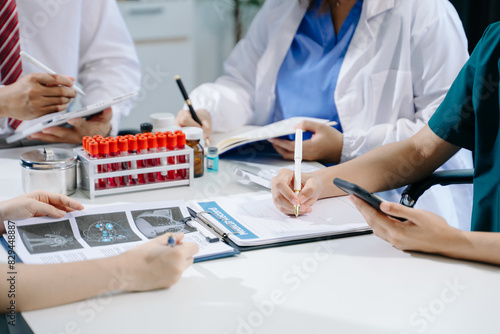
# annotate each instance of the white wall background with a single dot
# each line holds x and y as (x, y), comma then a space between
(214, 35)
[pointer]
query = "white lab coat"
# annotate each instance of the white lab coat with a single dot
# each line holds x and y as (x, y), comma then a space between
(85, 39)
(400, 64)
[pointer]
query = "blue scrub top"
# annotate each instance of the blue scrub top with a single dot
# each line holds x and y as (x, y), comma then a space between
(308, 77)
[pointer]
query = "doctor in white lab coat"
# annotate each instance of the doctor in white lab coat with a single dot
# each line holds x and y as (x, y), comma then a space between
(399, 65)
(85, 39)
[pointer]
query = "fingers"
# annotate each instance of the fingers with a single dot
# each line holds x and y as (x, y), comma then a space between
(53, 79)
(64, 202)
(378, 221)
(399, 210)
(283, 148)
(207, 129)
(184, 119)
(309, 126)
(284, 197)
(58, 135)
(56, 91)
(40, 209)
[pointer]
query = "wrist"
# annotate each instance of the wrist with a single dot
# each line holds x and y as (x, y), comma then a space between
(5, 103)
(454, 243)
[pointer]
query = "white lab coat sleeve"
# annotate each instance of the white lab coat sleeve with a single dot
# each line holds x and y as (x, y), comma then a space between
(438, 52)
(108, 65)
(231, 99)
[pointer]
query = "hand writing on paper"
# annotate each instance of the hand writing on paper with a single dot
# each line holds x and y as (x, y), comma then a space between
(184, 119)
(285, 198)
(156, 265)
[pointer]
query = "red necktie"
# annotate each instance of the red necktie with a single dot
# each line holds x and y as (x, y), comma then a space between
(10, 60)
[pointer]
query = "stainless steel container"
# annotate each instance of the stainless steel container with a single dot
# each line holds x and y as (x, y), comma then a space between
(50, 169)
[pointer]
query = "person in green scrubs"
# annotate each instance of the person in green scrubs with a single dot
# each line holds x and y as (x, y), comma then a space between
(469, 117)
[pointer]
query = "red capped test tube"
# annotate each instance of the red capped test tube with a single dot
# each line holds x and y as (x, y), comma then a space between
(152, 148)
(162, 147)
(115, 166)
(104, 154)
(181, 159)
(125, 180)
(171, 145)
(93, 148)
(132, 151)
(142, 142)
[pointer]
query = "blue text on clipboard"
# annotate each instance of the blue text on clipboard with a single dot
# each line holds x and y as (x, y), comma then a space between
(227, 221)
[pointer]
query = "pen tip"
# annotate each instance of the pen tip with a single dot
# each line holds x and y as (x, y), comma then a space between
(297, 210)
(177, 77)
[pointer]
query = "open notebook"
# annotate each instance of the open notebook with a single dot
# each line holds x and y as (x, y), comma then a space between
(257, 133)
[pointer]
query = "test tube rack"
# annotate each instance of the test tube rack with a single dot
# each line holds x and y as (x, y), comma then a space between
(87, 172)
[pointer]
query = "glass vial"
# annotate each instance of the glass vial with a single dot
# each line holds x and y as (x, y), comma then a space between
(193, 139)
(212, 159)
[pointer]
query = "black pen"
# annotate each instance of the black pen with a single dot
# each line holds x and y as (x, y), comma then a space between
(186, 98)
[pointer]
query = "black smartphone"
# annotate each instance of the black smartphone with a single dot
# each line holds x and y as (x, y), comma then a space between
(354, 189)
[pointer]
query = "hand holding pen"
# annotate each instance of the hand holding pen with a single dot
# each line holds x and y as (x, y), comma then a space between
(43, 67)
(200, 117)
(297, 180)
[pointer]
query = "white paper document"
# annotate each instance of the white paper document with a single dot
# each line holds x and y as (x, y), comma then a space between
(254, 220)
(106, 231)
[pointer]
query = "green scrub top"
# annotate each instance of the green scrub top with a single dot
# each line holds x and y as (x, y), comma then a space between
(469, 117)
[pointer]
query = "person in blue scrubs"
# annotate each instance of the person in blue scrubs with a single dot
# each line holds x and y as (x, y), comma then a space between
(469, 117)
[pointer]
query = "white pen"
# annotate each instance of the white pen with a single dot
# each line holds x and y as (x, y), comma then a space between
(297, 182)
(41, 66)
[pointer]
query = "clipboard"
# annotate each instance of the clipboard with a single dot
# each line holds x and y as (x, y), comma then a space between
(62, 117)
(224, 236)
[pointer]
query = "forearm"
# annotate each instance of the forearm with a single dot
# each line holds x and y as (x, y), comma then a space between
(40, 286)
(391, 166)
(474, 246)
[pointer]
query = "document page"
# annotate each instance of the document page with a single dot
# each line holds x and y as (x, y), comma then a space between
(105, 231)
(254, 220)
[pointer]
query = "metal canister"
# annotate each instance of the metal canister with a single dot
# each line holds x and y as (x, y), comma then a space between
(50, 169)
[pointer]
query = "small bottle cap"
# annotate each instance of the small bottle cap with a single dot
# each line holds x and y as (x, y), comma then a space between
(193, 133)
(162, 140)
(171, 141)
(85, 140)
(129, 136)
(161, 121)
(97, 136)
(113, 145)
(123, 145)
(142, 143)
(178, 132)
(181, 140)
(152, 143)
(93, 147)
(119, 137)
(109, 138)
(213, 151)
(146, 127)
(132, 144)
(103, 147)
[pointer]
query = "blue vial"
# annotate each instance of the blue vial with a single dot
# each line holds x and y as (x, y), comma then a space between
(212, 159)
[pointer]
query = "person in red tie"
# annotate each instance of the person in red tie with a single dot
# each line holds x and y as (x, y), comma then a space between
(93, 48)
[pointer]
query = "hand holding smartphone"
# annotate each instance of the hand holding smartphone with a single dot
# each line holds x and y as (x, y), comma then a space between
(354, 189)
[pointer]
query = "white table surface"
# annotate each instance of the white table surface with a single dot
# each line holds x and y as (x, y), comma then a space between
(351, 285)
